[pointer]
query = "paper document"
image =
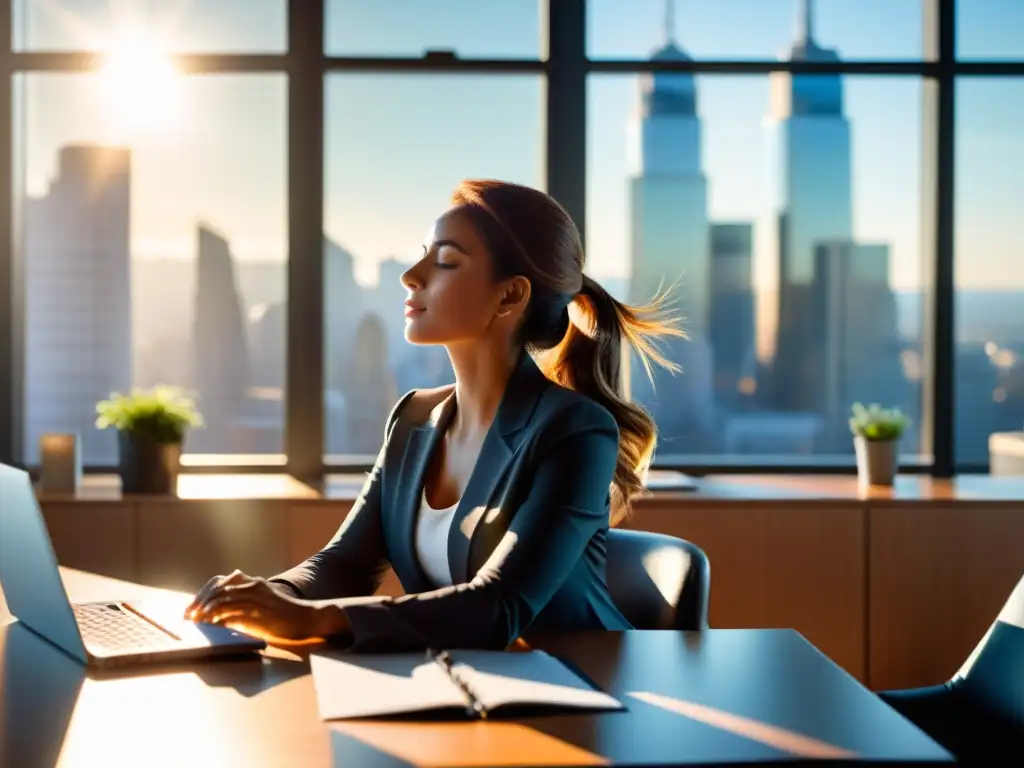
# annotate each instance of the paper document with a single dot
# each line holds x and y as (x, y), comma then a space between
(462, 683)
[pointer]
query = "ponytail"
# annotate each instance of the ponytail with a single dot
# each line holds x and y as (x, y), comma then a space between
(589, 360)
(576, 328)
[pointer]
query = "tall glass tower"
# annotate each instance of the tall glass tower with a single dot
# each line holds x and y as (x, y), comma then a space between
(670, 243)
(811, 203)
(78, 311)
(668, 189)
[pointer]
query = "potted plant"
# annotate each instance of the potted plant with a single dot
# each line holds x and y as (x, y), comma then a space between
(876, 435)
(151, 426)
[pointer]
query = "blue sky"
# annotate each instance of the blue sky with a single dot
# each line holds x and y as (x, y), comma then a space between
(396, 144)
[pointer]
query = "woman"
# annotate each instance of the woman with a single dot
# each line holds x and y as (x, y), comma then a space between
(490, 498)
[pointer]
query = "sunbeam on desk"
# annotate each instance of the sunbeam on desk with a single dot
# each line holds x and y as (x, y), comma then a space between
(769, 735)
(460, 745)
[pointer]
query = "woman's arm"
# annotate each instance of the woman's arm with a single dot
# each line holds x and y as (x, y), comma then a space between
(566, 505)
(354, 561)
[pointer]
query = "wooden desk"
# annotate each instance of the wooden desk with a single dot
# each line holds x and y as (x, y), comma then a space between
(722, 696)
(895, 585)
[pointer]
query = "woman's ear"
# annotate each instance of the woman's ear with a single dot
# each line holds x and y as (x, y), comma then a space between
(515, 297)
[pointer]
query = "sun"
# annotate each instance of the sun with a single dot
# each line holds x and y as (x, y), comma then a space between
(141, 85)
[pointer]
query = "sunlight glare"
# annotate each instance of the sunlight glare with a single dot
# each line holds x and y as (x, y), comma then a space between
(141, 86)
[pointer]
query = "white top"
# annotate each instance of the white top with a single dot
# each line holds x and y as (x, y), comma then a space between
(432, 528)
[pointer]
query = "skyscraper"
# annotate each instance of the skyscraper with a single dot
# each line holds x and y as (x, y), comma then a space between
(857, 335)
(78, 337)
(368, 387)
(668, 189)
(386, 302)
(669, 241)
(812, 184)
(268, 325)
(221, 371)
(343, 306)
(731, 328)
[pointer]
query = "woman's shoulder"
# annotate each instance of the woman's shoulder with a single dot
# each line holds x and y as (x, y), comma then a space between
(568, 411)
(416, 406)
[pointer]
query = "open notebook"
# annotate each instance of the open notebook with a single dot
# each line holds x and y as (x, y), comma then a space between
(471, 684)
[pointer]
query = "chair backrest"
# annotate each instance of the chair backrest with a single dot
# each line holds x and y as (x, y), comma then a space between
(658, 581)
(1010, 617)
(991, 681)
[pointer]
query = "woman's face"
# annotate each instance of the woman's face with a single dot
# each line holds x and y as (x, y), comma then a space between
(453, 296)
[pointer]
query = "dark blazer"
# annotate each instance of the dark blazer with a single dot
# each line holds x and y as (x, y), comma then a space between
(528, 542)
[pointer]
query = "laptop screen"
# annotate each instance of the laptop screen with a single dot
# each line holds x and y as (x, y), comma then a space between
(28, 566)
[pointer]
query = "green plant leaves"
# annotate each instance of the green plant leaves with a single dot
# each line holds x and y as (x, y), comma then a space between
(163, 413)
(874, 422)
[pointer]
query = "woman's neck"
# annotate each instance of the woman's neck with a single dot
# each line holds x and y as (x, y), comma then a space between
(481, 376)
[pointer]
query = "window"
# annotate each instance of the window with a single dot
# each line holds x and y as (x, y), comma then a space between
(990, 29)
(396, 146)
(154, 239)
(989, 246)
(175, 26)
(756, 29)
(783, 213)
(504, 29)
(799, 286)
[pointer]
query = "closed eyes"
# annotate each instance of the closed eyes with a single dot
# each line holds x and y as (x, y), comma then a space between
(438, 262)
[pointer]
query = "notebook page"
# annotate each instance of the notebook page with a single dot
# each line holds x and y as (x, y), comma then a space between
(501, 678)
(350, 686)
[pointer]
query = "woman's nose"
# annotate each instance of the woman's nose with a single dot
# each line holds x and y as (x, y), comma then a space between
(411, 280)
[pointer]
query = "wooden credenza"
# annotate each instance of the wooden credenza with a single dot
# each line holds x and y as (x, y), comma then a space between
(896, 586)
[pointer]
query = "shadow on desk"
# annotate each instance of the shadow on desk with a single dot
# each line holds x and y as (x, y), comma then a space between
(41, 687)
(247, 675)
(678, 711)
(37, 698)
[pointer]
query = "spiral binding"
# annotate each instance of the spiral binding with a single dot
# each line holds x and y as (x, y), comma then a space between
(474, 707)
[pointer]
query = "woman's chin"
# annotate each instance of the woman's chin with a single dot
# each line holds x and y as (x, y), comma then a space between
(419, 330)
(415, 335)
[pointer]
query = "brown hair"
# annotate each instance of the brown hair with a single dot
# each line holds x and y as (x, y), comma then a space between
(528, 233)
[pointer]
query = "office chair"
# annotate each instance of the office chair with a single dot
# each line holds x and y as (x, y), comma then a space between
(978, 716)
(658, 581)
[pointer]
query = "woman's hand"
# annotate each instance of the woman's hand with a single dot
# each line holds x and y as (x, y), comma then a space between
(253, 606)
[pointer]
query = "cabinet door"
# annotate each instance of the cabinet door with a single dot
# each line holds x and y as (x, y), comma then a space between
(98, 537)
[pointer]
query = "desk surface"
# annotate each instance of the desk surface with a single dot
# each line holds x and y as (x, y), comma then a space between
(723, 696)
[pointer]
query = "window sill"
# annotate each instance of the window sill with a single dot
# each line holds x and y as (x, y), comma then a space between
(725, 488)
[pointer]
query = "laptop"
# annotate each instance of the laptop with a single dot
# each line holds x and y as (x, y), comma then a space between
(108, 634)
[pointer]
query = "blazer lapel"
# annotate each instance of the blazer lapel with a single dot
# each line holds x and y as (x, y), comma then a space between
(487, 472)
(419, 449)
(517, 404)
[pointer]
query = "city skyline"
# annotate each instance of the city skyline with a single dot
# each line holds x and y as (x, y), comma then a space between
(748, 191)
(201, 170)
(222, 293)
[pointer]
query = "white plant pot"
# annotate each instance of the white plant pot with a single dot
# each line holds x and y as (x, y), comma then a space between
(877, 461)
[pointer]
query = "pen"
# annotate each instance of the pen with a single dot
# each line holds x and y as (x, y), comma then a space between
(474, 708)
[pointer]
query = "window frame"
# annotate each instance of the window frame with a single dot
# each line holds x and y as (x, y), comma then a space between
(565, 67)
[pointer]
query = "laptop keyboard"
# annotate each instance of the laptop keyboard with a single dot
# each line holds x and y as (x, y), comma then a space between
(110, 628)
